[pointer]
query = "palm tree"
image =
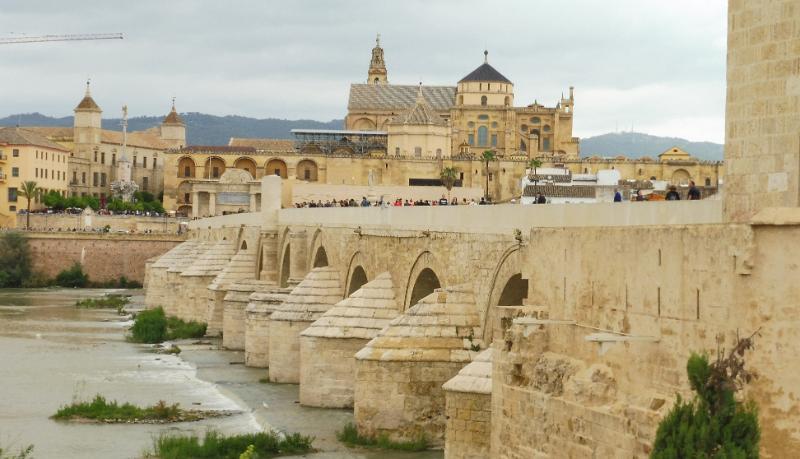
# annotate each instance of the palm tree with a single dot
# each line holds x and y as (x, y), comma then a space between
(534, 164)
(448, 176)
(29, 190)
(487, 156)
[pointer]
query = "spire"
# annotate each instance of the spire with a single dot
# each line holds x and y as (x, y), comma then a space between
(88, 91)
(377, 67)
(173, 117)
(485, 56)
(87, 103)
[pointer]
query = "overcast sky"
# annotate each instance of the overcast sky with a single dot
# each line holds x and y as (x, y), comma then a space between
(657, 66)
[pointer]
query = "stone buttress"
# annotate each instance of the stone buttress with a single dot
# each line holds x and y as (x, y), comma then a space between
(176, 293)
(400, 373)
(260, 307)
(234, 322)
(157, 283)
(201, 273)
(240, 267)
(312, 297)
(468, 409)
(328, 346)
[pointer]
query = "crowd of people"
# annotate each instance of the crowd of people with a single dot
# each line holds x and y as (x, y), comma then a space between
(399, 202)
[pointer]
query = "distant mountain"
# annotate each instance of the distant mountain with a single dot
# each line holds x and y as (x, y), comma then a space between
(201, 129)
(636, 144)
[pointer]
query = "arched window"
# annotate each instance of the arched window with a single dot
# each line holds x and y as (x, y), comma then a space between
(376, 80)
(522, 146)
(484, 100)
(708, 181)
(546, 128)
(483, 135)
(536, 120)
(507, 101)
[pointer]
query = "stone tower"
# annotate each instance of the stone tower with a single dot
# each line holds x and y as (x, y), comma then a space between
(377, 66)
(87, 122)
(762, 119)
(173, 129)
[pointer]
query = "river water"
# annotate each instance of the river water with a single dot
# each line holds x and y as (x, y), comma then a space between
(52, 353)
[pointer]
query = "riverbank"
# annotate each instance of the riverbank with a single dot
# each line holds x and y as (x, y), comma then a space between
(54, 353)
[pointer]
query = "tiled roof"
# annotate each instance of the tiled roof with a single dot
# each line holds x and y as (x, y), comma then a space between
(557, 178)
(263, 144)
(87, 103)
(23, 136)
(242, 266)
(399, 97)
(420, 113)
(145, 139)
(560, 191)
(186, 258)
(485, 73)
(173, 118)
(174, 255)
(445, 326)
(213, 261)
(217, 149)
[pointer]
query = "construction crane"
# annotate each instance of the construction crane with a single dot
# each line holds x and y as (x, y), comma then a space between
(77, 37)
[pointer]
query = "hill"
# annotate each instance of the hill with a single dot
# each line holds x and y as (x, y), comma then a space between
(636, 144)
(201, 129)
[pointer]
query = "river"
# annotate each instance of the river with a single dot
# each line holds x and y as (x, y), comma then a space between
(52, 353)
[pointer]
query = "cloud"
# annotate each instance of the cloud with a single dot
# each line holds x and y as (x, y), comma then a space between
(659, 65)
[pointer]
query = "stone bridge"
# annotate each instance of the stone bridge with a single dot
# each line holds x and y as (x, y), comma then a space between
(502, 331)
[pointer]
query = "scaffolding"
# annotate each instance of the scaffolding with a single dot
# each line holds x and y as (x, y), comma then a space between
(335, 142)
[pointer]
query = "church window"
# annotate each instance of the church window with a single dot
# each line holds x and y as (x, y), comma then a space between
(215, 172)
(397, 151)
(480, 86)
(83, 178)
(113, 158)
(494, 140)
(524, 128)
(155, 160)
(484, 100)
(488, 86)
(507, 101)
(536, 120)
(708, 181)
(483, 134)
(145, 182)
(471, 124)
(307, 173)
(494, 124)
(186, 198)
(187, 171)
(546, 128)
(546, 144)
(438, 153)
(522, 145)
(103, 179)
(418, 151)
(483, 117)
(461, 176)
(95, 156)
(94, 179)
(376, 80)
(144, 162)
(471, 139)
(103, 158)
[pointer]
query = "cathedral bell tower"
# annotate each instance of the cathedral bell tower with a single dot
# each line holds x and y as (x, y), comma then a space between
(377, 67)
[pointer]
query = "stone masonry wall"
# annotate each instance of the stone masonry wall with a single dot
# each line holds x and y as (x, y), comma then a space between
(104, 256)
(762, 118)
(468, 425)
(284, 350)
(386, 393)
(328, 371)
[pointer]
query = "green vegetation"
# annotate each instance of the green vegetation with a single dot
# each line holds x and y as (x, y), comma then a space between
(143, 202)
(22, 453)
(29, 191)
(153, 326)
(15, 260)
(117, 302)
(72, 277)
(349, 435)
(99, 409)
(448, 176)
(715, 424)
(56, 201)
(214, 445)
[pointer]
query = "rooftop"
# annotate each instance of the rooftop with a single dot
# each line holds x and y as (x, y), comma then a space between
(398, 98)
(25, 136)
(485, 73)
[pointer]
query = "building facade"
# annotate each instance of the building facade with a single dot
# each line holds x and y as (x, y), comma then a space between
(94, 151)
(26, 155)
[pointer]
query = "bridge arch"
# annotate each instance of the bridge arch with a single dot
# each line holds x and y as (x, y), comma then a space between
(423, 279)
(507, 289)
(284, 262)
(356, 274)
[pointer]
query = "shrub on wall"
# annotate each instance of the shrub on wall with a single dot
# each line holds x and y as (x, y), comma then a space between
(714, 424)
(15, 260)
(72, 277)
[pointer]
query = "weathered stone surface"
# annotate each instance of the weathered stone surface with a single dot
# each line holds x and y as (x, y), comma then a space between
(234, 323)
(328, 346)
(468, 410)
(257, 314)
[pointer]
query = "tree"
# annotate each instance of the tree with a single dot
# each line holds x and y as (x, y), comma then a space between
(534, 164)
(28, 190)
(15, 259)
(715, 424)
(449, 175)
(487, 156)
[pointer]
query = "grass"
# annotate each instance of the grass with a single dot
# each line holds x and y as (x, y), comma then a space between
(22, 453)
(99, 409)
(153, 326)
(349, 435)
(117, 302)
(215, 445)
